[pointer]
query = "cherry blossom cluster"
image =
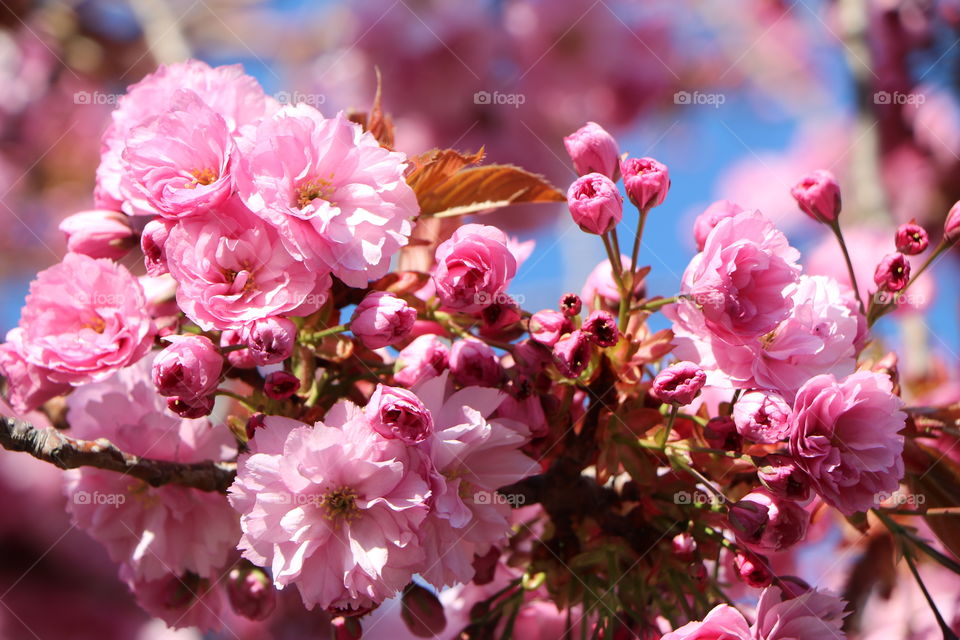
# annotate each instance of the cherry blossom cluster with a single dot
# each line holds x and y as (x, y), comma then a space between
(390, 429)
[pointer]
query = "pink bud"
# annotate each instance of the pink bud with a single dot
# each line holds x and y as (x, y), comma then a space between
(593, 150)
(271, 340)
(818, 195)
(951, 228)
(601, 327)
(189, 368)
(474, 363)
(382, 319)
(893, 272)
(397, 413)
(239, 358)
(254, 422)
(783, 478)
(425, 358)
(570, 304)
(595, 203)
(721, 433)
(753, 569)
(711, 217)
(280, 385)
(196, 408)
(251, 593)
(684, 547)
(912, 239)
(679, 383)
(767, 522)
(501, 320)
(572, 353)
(99, 233)
(153, 238)
(422, 612)
(762, 417)
(547, 326)
(646, 181)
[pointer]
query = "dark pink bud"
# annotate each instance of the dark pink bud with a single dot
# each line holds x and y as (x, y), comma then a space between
(500, 319)
(474, 363)
(748, 519)
(818, 195)
(397, 413)
(593, 150)
(152, 241)
(271, 340)
(679, 383)
(251, 593)
(189, 368)
(721, 433)
(570, 304)
(951, 228)
(753, 569)
(893, 272)
(646, 181)
(781, 475)
(422, 612)
(595, 203)
(196, 408)
(99, 233)
(792, 586)
(601, 326)
(767, 522)
(485, 566)
(254, 422)
(912, 238)
(547, 326)
(572, 353)
(280, 385)
(382, 319)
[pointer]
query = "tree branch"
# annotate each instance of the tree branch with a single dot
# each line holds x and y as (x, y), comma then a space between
(65, 452)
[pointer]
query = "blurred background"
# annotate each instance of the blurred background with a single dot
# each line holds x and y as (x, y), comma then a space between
(738, 97)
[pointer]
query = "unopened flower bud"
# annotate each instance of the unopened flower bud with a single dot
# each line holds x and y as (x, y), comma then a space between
(548, 326)
(280, 385)
(767, 522)
(422, 612)
(679, 383)
(951, 228)
(254, 422)
(271, 340)
(153, 239)
(646, 181)
(595, 203)
(251, 593)
(753, 569)
(196, 408)
(99, 233)
(474, 363)
(593, 150)
(721, 432)
(781, 475)
(382, 319)
(397, 413)
(189, 368)
(818, 195)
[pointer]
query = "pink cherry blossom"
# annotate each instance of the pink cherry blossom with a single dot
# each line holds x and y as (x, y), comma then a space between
(232, 268)
(722, 623)
(180, 162)
(762, 417)
(333, 508)
(149, 530)
(338, 199)
(28, 386)
(99, 233)
(845, 435)
(83, 320)
(474, 267)
(814, 614)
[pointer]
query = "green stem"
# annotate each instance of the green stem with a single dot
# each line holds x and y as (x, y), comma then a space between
(662, 441)
(948, 633)
(881, 310)
(835, 226)
(317, 336)
(635, 254)
(236, 396)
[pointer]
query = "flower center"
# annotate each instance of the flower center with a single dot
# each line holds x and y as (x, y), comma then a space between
(242, 279)
(340, 503)
(313, 189)
(201, 176)
(96, 323)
